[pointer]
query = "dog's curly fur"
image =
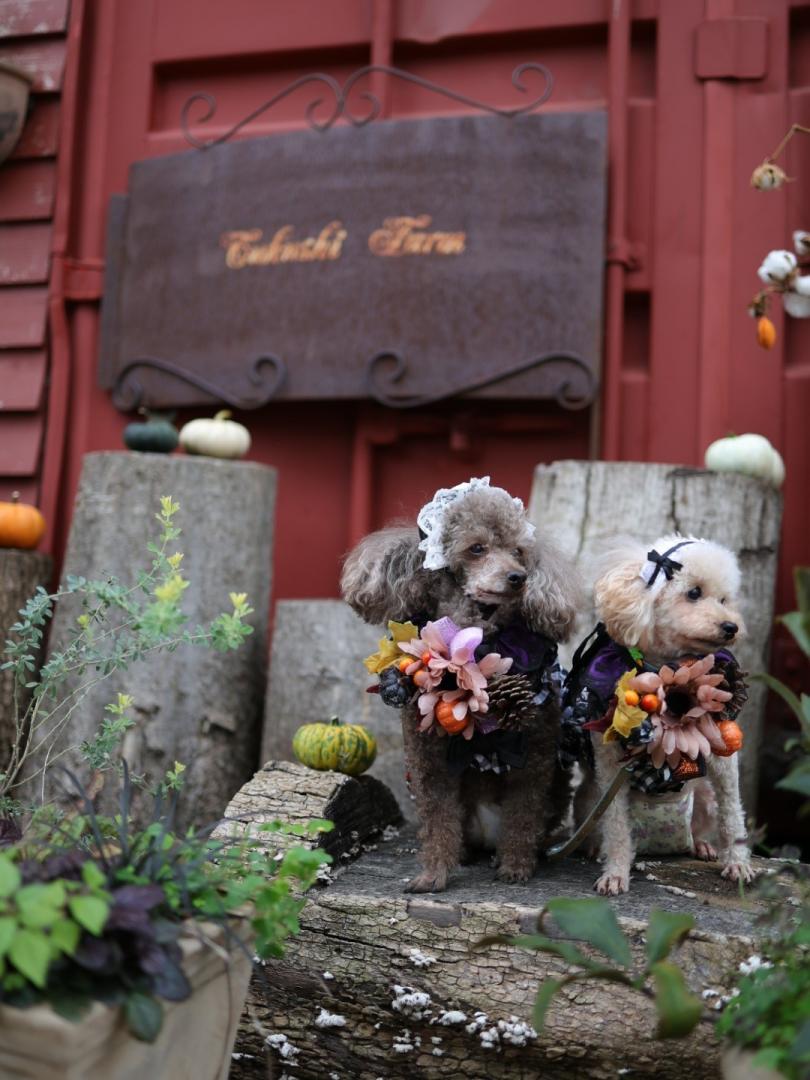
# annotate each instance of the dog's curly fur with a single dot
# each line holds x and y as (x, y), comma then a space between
(667, 626)
(497, 574)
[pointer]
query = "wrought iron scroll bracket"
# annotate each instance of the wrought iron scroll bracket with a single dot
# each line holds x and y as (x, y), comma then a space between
(342, 104)
(128, 393)
(382, 377)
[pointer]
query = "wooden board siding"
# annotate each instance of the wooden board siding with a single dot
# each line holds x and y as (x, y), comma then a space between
(33, 36)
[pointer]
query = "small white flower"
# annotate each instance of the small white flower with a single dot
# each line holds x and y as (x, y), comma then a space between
(796, 305)
(801, 242)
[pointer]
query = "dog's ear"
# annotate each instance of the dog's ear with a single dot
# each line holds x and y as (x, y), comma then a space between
(623, 602)
(383, 577)
(553, 593)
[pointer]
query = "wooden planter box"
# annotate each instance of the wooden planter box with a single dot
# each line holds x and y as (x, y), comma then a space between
(195, 1042)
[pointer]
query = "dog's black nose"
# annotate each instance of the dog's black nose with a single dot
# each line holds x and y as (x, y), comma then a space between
(516, 579)
(729, 629)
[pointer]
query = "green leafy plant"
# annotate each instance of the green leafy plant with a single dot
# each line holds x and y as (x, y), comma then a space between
(118, 625)
(593, 922)
(798, 623)
(769, 1013)
(94, 910)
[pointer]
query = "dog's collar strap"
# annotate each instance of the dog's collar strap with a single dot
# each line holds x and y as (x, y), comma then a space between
(658, 564)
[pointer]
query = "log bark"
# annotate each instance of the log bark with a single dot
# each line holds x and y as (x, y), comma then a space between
(586, 505)
(20, 574)
(196, 706)
(383, 984)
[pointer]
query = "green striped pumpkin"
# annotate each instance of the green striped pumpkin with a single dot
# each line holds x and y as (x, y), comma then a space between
(346, 748)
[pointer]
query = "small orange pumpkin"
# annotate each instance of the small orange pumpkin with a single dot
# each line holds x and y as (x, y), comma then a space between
(444, 714)
(21, 525)
(649, 703)
(631, 698)
(732, 736)
(405, 663)
(766, 332)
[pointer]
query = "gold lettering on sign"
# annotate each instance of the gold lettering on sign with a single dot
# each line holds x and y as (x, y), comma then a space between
(399, 236)
(243, 247)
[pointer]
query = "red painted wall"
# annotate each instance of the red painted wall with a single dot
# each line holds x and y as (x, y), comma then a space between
(685, 237)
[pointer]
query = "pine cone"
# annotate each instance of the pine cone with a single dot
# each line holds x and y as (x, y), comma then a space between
(511, 701)
(734, 682)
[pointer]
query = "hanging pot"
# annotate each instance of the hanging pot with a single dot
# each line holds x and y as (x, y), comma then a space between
(15, 86)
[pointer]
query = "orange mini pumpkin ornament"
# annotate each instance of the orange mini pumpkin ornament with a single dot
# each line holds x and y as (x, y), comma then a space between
(732, 736)
(21, 525)
(451, 724)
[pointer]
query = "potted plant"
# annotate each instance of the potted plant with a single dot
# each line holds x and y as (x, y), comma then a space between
(124, 951)
(127, 952)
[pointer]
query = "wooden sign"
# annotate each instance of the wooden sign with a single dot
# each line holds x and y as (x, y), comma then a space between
(463, 246)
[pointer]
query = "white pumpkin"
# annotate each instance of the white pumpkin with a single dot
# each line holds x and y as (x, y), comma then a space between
(220, 437)
(749, 454)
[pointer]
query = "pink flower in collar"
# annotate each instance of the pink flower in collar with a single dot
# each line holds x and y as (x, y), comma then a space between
(451, 650)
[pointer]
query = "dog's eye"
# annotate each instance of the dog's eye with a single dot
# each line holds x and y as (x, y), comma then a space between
(695, 594)
(723, 600)
(476, 549)
(518, 552)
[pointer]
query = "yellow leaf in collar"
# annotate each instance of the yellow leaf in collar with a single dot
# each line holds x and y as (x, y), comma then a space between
(626, 717)
(389, 646)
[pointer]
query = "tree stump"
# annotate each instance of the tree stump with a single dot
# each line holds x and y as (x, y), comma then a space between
(383, 984)
(586, 505)
(196, 706)
(20, 574)
(316, 671)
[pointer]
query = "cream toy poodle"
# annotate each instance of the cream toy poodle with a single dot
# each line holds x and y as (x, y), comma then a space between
(659, 691)
(486, 601)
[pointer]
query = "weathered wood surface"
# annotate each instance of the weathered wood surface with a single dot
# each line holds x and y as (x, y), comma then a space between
(20, 574)
(196, 706)
(587, 505)
(316, 671)
(366, 947)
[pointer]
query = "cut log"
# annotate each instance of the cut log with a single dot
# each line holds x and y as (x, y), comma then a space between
(196, 706)
(383, 984)
(316, 671)
(360, 807)
(587, 505)
(20, 574)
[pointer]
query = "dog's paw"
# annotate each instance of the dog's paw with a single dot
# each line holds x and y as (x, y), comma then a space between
(612, 884)
(428, 881)
(705, 851)
(515, 873)
(738, 871)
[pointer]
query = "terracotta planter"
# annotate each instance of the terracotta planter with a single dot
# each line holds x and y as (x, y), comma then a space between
(15, 85)
(195, 1042)
(738, 1064)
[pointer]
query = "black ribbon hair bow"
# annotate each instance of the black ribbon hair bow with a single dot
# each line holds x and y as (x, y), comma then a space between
(664, 564)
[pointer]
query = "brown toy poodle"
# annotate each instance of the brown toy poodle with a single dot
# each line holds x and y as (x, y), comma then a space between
(475, 561)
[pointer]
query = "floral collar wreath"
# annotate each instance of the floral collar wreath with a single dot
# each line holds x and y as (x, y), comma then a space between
(430, 519)
(669, 720)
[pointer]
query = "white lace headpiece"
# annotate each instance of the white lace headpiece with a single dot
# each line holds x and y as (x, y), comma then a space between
(431, 518)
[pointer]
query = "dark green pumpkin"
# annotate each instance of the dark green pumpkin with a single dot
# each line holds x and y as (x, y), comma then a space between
(156, 434)
(345, 748)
